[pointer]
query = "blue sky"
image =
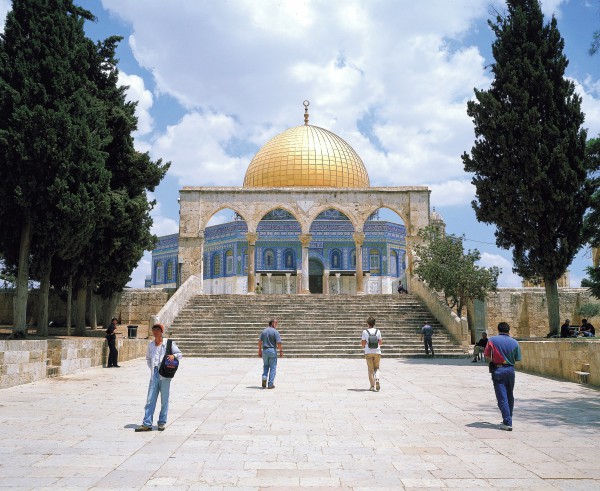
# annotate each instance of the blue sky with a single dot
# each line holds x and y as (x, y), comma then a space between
(215, 80)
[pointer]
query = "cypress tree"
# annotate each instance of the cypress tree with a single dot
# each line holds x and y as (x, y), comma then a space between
(51, 161)
(528, 160)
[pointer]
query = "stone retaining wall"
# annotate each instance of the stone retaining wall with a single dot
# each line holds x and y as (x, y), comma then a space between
(25, 361)
(133, 307)
(561, 358)
(526, 309)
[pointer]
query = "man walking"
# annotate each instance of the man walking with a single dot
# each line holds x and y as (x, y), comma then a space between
(371, 342)
(155, 353)
(268, 344)
(503, 351)
(427, 337)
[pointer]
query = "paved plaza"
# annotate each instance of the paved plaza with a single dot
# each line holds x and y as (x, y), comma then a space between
(433, 425)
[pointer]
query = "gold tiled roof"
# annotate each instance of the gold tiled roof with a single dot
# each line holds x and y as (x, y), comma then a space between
(307, 156)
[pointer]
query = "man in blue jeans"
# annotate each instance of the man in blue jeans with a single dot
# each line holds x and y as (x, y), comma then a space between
(268, 344)
(503, 351)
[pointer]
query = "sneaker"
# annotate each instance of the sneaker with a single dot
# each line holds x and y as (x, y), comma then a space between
(372, 388)
(473, 361)
(505, 427)
(161, 427)
(143, 428)
(264, 384)
(271, 387)
(377, 386)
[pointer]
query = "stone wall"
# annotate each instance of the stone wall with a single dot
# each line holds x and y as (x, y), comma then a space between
(133, 307)
(25, 361)
(561, 358)
(526, 309)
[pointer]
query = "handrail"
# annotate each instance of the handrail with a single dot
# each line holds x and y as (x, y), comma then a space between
(166, 315)
(456, 326)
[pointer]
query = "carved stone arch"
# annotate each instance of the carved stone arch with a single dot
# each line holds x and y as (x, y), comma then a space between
(354, 220)
(279, 206)
(372, 209)
(208, 213)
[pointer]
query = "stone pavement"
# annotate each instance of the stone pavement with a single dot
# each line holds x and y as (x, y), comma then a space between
(433, 425)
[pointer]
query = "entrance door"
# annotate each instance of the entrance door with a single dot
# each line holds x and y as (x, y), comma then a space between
(315, 276)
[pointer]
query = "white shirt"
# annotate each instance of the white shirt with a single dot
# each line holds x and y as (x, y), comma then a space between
(365, 337)
(155, 354)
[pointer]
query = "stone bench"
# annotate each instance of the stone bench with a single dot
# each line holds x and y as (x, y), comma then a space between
(583, 373)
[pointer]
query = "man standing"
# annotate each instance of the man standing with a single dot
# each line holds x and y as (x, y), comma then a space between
(480, 347)
(371, 342)
(268, 343)
(427, 337)
(155, 353)
(111, 339)
(503, 351)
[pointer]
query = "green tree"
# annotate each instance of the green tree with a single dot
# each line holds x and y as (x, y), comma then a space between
(122, 237)
(529, 162)
(442, 263)
(52, 176)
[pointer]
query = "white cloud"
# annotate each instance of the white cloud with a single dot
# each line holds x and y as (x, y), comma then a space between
(138, 93)
(552, 7)
(162, 225)
(454, 192)
(242, 69)
(507, 278)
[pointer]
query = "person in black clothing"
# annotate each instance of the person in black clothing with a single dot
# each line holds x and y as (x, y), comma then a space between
(111, 339)
(401, 288)
(480, 347)
(566, 331)
(587, 329)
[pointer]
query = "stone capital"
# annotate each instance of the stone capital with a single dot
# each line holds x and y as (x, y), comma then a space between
(305, 239)
(359, 238)
(251, 237)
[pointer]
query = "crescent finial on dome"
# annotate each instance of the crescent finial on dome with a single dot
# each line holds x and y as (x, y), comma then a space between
(306, 104)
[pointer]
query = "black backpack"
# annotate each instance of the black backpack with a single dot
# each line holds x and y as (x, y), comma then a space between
(372, 340)
(168, 367)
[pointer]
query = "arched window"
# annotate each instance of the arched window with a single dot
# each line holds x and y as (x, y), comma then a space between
(269, 259)
(336, 260)
(159, 272)
(289, 259)
(170, 272)
(374, 261)
(353, 259)
(229, 261)
(216, 265)
(393, 263)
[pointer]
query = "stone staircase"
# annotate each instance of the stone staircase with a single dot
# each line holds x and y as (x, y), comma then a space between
(310, 326)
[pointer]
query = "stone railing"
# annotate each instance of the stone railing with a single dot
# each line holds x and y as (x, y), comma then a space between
(561, 358)
(23, 361)
(166, 315)
(456, 326)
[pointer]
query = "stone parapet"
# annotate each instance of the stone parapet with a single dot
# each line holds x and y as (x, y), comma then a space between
(561, 358)
(526, 309)
(166, 315)
(25, 361)
(456, 326)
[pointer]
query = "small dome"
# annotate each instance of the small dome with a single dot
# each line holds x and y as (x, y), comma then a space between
(307, 156)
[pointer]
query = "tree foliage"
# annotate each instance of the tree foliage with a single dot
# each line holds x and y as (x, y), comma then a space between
(442, 263)
(529, 161)
(73, 186)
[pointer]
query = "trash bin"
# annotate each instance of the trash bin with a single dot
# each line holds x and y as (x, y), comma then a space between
(132, 331)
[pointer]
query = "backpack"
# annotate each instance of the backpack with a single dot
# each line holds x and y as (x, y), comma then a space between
(167, 367)
(372, 340)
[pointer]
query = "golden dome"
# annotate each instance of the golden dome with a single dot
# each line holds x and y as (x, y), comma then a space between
(306, 156)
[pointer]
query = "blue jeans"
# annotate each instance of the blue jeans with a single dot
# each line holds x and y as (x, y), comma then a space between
(269, 365)
(504, 383)
(157, 385)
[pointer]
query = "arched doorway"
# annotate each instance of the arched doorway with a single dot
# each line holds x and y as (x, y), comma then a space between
(315, 276)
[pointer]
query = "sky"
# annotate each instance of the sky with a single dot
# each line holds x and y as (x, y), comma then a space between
(215, 80)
